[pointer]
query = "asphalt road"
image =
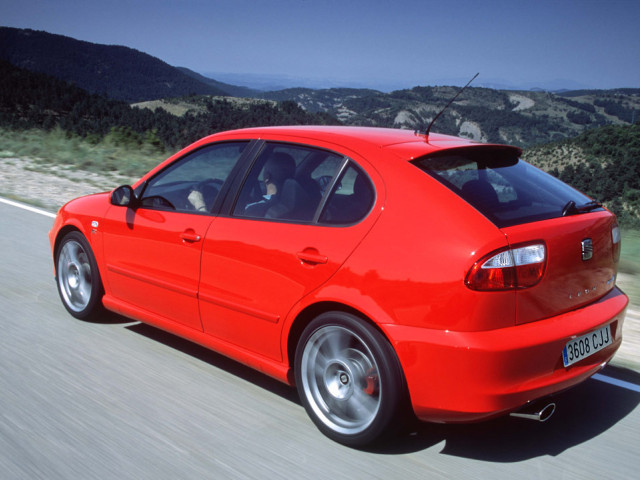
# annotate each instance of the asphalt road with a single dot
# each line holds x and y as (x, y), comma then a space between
(121, 400)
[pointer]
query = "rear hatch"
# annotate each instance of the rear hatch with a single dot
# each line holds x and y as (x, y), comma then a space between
(581, 263)
(581, 239)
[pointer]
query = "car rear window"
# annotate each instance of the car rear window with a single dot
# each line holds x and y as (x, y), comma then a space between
(504, 188)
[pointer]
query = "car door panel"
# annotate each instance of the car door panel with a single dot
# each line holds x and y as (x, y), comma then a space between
(154, 260)
(252, 275)
(154, 245)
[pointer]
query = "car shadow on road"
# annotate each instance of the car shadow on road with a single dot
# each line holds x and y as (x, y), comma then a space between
(582, 413)
(215, 359)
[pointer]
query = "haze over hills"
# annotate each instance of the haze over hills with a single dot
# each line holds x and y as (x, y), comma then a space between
(226, 88)
(270, 82)
(521, 117)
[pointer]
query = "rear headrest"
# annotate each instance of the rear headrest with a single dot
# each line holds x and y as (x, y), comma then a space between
(279, 167)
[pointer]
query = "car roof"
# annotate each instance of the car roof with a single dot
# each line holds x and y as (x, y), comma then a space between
(406, 143)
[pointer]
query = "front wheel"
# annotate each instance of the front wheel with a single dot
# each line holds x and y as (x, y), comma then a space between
(77, 277)
(349, 379)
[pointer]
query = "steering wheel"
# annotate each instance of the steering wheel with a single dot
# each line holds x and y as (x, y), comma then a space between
(158, 201)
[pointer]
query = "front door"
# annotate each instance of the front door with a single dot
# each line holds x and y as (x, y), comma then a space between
(153, 251)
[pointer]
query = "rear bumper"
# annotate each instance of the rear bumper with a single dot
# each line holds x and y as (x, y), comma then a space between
(469, 376)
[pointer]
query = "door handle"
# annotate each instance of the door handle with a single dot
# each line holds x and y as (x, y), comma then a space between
(190, 236)
(312, 256)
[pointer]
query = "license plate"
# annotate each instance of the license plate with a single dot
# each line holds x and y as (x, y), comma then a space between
(586, 345)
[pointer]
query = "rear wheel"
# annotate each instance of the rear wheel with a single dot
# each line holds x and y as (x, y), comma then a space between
(349, 379)
(77, 277)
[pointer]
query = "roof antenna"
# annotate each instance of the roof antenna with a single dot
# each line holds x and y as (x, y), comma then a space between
(426, 133)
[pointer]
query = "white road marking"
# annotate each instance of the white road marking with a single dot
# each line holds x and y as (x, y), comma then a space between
(28, 207)
(618, 383)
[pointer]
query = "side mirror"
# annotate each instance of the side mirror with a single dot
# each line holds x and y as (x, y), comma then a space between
(123, 196)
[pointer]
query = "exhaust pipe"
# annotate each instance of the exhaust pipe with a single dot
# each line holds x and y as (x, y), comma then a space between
(536, 411)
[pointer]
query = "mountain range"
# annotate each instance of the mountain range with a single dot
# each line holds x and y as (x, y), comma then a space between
(521, 117)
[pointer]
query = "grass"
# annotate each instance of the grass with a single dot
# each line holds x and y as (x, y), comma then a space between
(109, 154)
(630, 255)
(629, 268)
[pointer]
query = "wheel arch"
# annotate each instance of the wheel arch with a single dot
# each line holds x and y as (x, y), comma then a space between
(306, 315)
(56, 244)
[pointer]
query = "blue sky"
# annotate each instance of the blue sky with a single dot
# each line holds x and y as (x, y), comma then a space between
(379, 44)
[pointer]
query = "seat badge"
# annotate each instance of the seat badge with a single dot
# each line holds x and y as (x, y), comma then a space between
(587, 249)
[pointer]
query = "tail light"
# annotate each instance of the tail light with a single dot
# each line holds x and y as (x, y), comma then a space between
(616, 240)
(512, 268)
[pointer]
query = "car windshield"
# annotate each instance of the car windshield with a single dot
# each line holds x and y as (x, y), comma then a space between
(505, 189)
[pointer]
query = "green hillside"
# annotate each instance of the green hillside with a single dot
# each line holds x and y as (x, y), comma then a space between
(522, 118)
(118, 72)
(604, 163)
(30, 100)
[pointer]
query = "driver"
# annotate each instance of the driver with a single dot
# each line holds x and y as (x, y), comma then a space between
(277, 169)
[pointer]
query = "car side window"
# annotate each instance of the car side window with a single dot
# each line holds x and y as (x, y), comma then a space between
(287, 182)
(193, 183)
(351, 199)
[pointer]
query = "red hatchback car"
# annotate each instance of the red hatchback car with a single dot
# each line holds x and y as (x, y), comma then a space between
(371, 268)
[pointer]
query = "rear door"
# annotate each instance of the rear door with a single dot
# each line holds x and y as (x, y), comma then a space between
(262, 258)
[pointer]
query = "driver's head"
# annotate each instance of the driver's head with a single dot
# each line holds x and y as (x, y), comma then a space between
(278, 168)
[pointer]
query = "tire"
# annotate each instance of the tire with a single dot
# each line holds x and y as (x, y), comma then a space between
(349, 379)
(78, 278)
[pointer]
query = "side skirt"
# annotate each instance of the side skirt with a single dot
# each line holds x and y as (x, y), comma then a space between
(279, 371)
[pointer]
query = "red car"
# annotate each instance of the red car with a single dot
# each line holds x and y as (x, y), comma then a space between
(377, 270)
